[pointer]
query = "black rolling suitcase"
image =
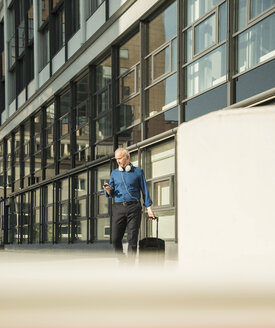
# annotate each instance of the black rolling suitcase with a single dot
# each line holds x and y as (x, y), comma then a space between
(152, 247)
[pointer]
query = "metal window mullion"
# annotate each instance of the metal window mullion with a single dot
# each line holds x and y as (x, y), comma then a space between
(143, 50)
(12, 161)
(136, 78)
(70, 211)
(72, 126)
(231, 52)
(56, 134)
(248, 11)
(180, 59)
(114, 90)
(107, 9)
(217, 27)
(43, 143)
(193, 42)
(31, 219)
(55, 211)
(68, 24)
(131, 69)
(171, 54)
(160, 48)
(21, 156)
(20, 225)
(171, 193)
(203, 53)
(160, 79)
(87, 205)
(42, 211)
(91, 204)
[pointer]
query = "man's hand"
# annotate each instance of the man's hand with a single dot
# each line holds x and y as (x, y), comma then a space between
(151, 213)
(107, 188)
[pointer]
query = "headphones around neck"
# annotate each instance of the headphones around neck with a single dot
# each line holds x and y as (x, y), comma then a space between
(127, 168)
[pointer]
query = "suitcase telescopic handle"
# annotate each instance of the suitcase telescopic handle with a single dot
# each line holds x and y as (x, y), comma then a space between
(157, 227)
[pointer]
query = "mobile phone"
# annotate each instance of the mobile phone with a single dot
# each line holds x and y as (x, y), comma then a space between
(106, 185)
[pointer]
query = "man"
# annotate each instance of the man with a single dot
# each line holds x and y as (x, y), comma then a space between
(125, 185)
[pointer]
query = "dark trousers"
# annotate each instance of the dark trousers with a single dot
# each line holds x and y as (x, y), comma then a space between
(126, 216)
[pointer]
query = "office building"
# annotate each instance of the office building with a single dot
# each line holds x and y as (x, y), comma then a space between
(79, 78)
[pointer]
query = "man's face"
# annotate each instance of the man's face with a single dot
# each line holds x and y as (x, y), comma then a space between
(122, 160)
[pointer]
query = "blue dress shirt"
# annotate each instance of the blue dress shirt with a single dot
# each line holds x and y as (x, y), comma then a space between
(127, 186)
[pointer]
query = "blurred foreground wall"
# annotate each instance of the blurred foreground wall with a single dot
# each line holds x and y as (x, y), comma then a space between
(226, 197)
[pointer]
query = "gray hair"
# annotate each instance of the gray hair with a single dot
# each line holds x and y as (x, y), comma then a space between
(124, 151)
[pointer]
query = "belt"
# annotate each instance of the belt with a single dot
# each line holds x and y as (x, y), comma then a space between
(127, 203)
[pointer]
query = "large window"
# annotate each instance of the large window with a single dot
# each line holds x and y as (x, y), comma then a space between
(64, 125)
(2, 56)
(2, 233)
(36, 216)
(11, 37)
(25, 215)
(160, 175)
(17, 155)
(27, 154)
(2, 170)
(37, 142)
(248, 10)
(80, 209)
(59, 29)
(45, 45)
(48, 210)
(204, 37)
(21, 27)
(9, 165)
(2, 70)
(43, 11)
(256, 44)
(161, 62)
(30, 20)
(103, 106)
(49, 142)
(74, 10)
(82, 151)
(100, 208)
(197, 8)
(128, 112)
(63, 206)
(44, 34)
(15, 209)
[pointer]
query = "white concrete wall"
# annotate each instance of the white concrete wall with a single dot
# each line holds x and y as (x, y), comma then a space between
(58, 60)
(96, 20)
(74, 43)
(226, 197)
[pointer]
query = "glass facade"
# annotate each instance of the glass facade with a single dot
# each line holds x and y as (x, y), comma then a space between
(129, 111)
(166, 68)
(256, 44)
(160, 173)
(161, 59)
(204, 42)
(101, 221)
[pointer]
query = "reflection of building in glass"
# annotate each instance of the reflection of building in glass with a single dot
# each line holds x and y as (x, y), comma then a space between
(88, 80)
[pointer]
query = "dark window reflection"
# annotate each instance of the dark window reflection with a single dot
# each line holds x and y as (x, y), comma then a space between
(104, 148)
(206, 103)
(258, 80)
(163, 27)
(129, 137)
(161, 96)
(162, 122)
